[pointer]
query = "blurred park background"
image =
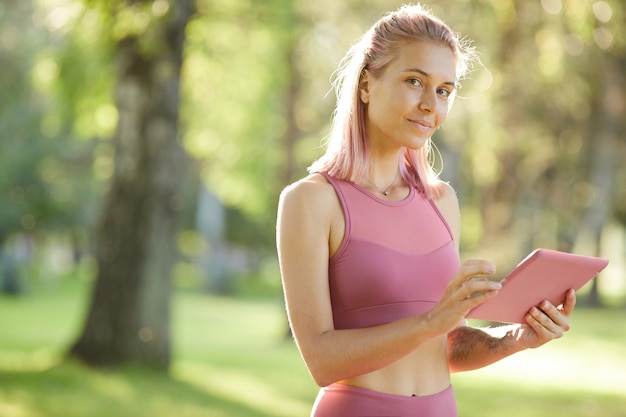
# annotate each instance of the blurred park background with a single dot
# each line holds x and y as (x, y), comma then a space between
(143, 145)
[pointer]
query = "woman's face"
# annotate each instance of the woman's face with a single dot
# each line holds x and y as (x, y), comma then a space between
(411, 97)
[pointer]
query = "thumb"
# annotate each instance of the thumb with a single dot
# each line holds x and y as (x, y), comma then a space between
(570, 302)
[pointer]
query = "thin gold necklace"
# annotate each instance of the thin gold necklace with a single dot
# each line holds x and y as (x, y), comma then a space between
(388, 190)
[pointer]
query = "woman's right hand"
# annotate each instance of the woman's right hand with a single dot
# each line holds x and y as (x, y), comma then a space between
(467, 289)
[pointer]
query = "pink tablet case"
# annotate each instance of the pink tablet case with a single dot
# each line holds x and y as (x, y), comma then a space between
(543, 275)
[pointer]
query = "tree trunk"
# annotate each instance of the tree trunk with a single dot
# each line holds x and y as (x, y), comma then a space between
(128, 320)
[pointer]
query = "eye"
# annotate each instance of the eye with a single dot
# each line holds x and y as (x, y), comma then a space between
(444, 92)
(415, 81)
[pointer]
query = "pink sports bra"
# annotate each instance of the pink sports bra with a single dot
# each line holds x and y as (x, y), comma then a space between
(395, 260)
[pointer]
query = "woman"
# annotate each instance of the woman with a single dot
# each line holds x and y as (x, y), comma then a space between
(368, 242)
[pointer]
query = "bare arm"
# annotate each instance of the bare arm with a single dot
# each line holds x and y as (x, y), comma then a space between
(307, 219)
(472, 348)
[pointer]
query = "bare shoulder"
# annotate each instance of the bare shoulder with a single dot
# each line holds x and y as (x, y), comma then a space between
(448, 199)
(309, 218)
(312, 193)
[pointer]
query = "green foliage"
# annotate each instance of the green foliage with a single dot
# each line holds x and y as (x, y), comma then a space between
(517, 145)
(34, 149)
(233, 76)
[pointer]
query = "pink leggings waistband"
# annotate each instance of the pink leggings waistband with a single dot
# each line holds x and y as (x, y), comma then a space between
(338, 400)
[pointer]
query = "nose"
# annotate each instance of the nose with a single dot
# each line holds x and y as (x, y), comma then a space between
(427, 101)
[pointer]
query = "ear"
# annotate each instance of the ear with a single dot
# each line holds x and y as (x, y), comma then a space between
(364, 92)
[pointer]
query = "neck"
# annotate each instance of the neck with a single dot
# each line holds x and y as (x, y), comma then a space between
(383, 180)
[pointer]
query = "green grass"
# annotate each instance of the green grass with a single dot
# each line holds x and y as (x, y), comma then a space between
(230, 359)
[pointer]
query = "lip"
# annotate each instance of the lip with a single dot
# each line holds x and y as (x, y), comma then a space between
(421, 124)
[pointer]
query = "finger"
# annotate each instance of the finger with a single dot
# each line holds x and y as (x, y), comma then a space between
(550, 319)
(534, 322)
(472, 268)
(472, 295)
(543, 333)
(476, 286)
(556, 315)
(570, 302)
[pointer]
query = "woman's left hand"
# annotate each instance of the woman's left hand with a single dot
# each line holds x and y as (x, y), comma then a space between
(547, 322)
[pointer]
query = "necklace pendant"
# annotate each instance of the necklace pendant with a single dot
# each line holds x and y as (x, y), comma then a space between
(386, 193)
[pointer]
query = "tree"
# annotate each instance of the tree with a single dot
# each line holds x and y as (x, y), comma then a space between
(45, 178)
(128, 319)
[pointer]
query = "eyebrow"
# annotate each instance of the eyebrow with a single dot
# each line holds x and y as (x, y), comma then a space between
(425, 74)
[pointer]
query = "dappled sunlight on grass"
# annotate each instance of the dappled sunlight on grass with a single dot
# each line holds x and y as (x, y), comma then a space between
(582, 374)
(238, 386)
(72, 390)
(202, 323)
(581, 360)
(8, 409)
(32, 361)
(553, 367)
(244, 357)
(231, 359)
(478, 397)
(111, 386)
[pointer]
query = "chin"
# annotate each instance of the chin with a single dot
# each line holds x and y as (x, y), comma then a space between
(417, 143)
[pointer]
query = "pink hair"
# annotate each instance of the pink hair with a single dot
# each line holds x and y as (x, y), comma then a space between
(347, 152)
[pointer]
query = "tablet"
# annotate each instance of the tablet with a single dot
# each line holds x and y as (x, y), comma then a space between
(543, 275)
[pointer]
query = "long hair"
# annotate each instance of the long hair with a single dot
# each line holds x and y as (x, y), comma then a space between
(347, 152)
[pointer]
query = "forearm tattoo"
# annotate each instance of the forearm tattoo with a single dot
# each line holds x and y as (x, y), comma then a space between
(465, 340)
